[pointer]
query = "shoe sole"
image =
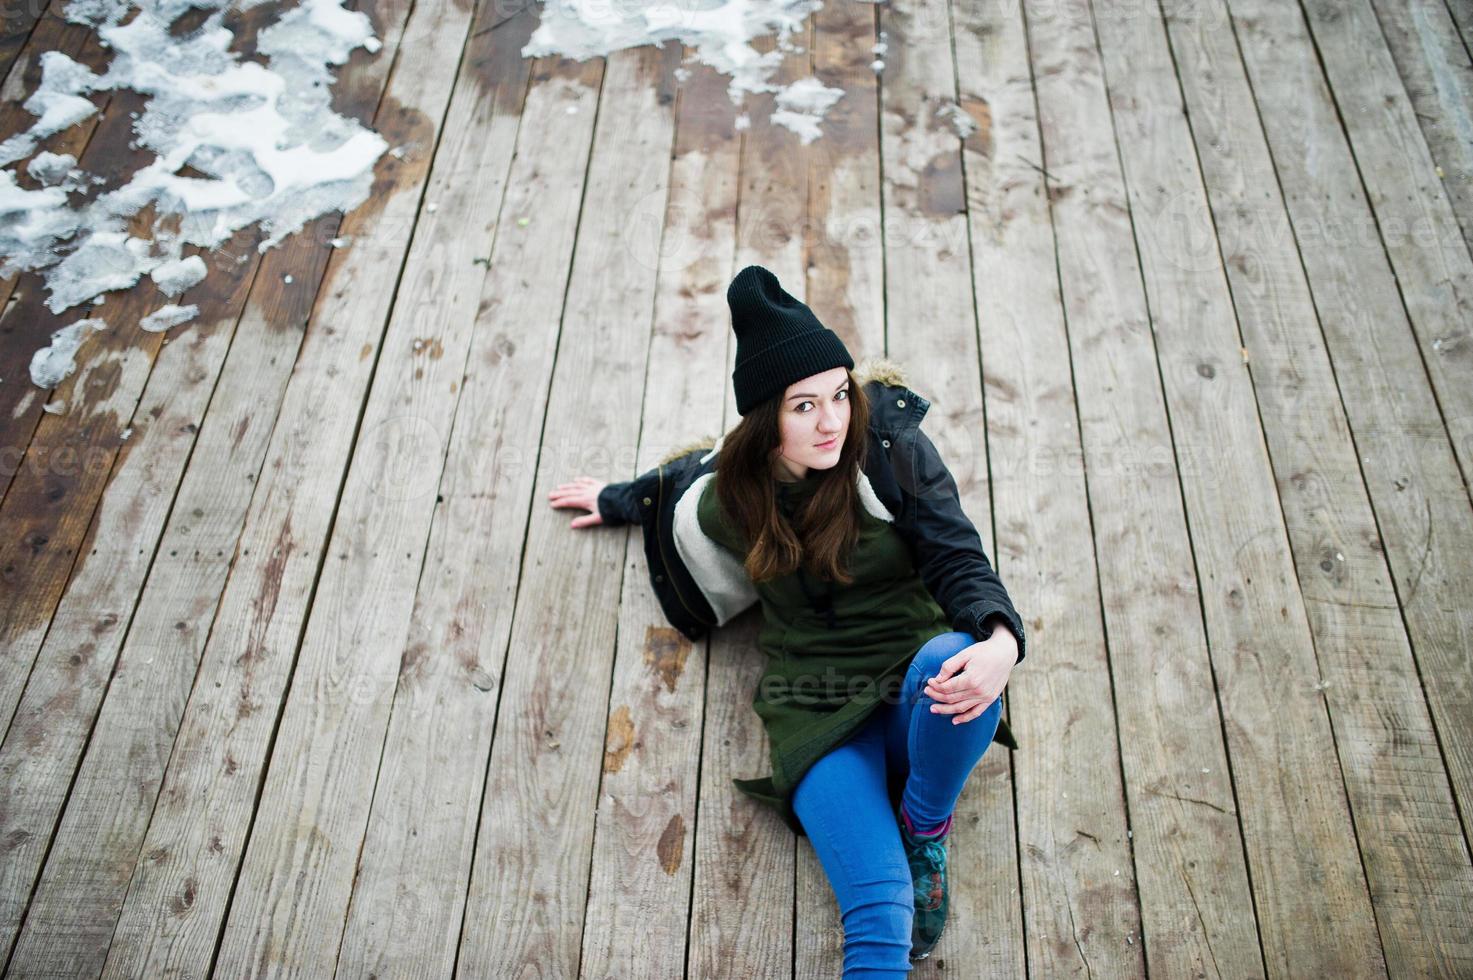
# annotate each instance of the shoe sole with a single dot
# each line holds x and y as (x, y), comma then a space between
(920, 956)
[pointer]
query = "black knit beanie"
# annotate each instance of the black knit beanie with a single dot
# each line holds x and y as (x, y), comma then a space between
(779, 340)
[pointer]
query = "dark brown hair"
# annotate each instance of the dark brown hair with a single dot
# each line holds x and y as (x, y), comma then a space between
(827, 525)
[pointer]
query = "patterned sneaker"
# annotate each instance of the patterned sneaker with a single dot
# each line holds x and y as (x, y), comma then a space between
(927, 856)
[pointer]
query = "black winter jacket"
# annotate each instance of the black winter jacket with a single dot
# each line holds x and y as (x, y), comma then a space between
(700, 585)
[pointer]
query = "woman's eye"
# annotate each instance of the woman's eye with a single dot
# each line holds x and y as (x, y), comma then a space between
(842, 395)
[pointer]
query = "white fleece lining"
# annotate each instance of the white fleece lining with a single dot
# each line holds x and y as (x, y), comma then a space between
(871, 500)
(721, 578)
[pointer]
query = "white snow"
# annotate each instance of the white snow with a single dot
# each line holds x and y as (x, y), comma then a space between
(961, 121)
(718, 32)
(168, 316)
(801, 106)
(173, 278)
(50, 169)
(261, 141)
(29, 220)
(51, 364)
(58, 103)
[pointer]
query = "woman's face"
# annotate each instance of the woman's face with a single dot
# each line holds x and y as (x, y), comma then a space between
(813, 422)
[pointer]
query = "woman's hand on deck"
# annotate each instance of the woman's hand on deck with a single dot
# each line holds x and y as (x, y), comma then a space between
(972, 678)
(583, 493)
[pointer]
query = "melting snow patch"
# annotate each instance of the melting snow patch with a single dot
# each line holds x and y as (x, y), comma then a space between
(50, 365)
(802, 104)
(961, 120)
(168, 316)
(718, 32)
(50, 169)
(235, 144)
(58, 102)
(173, 278)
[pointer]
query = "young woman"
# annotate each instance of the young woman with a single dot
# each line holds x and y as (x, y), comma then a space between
(876, 704)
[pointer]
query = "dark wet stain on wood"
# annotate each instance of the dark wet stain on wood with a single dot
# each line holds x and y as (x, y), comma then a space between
(672, 844)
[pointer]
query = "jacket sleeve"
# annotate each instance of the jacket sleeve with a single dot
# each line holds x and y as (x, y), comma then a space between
(627, 502)
(949, 553)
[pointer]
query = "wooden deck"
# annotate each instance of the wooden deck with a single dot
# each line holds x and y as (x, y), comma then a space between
(305, 678)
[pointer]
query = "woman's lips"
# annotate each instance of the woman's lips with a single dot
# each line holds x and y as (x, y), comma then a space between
(830, 444)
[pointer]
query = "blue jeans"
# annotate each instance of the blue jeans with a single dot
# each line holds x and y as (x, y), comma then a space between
(844, 803)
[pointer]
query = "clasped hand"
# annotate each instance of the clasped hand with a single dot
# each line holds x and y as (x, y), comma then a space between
(972, 678)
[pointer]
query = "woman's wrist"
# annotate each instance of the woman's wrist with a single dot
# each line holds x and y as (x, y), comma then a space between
(996, 620)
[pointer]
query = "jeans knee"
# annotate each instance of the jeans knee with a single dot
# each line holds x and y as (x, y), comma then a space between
(937, 650)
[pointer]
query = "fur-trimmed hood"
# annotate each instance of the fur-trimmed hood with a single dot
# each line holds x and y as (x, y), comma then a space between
(872, 368)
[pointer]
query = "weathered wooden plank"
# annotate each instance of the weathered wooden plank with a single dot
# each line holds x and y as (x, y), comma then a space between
(203, 814)
(742, 898)
(26, 323)
(409, 897)
(18, 23)
(742, 905)
(932, 329)
(1388, 745)
(1437, 73)
(24, 329)
(1082, 911)
(845, 289)
(68, 457)
(1413, 215)
(1309, 887)
(846, 259)
(69, 463)
(153, 668)
(637, 917)
(126, 546)
(75, 906)
(187, 561)
(530, 874)
(1406, 460)
(405, 913)
(1462, 12)
(327, 761)
(1196, 906)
